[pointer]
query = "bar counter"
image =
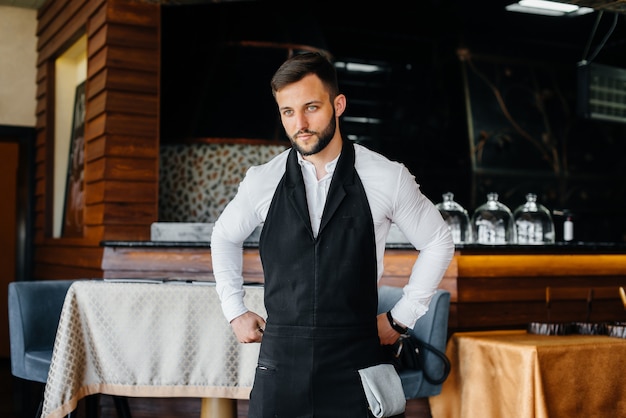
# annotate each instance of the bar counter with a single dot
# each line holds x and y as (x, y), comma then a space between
(492, 287)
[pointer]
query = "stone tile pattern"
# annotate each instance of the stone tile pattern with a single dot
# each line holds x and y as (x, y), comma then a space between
(198, 180)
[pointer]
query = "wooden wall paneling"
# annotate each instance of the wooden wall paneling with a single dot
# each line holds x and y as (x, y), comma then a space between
(40, 107)
(135, 59)
(120, 213)
(145, 82)
(121, 168)
(123, 52)
(40, 121)
(118, 145)
(133, 103)
(94, 192)
(126, 232)
(136, 13)
(68, 26)
(44, 271)
(133, 125)
(103, 55)
(40, 160)
(40, 96)
(121, 101)
(41, 87)
(140, 169)
(97, 59)
(42, 74)
(131, 205)
(63, 14)
(48, 145)
(97, 20)
(38, 221)
(50, 11)
(94, 127)
(70, 255)
(97, 37)
(120, 191)
(126, 35)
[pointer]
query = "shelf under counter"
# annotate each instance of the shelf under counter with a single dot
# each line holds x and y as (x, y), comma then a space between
(492, 287)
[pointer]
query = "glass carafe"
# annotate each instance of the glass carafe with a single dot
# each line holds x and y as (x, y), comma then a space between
(533, 222)
(492, 223)
(457, 219)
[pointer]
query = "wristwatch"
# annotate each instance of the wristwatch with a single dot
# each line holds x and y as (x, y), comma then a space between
(399, 328)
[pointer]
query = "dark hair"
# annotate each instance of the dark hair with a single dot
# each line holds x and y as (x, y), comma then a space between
(301, 65)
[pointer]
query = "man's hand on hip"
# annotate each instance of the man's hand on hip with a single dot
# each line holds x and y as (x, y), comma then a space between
(248, 327)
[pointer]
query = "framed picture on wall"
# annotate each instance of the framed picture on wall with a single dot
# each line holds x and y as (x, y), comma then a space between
(75, 185)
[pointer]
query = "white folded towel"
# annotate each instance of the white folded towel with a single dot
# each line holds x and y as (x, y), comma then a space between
(383, 389)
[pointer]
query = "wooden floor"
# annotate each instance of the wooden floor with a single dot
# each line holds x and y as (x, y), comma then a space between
(19, 399)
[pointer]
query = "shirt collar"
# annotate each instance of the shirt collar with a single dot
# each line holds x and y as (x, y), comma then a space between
(330, 166)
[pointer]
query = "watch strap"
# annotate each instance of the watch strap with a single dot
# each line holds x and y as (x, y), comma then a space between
(397, 327)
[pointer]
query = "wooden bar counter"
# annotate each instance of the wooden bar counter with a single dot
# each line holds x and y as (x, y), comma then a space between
(492, 287)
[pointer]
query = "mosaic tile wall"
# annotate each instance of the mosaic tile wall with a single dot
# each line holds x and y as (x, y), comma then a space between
(197, 181)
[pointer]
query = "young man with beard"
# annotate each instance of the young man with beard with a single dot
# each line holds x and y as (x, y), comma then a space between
(326, 206)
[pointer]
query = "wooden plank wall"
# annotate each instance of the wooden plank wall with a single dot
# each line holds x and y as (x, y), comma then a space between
(121, 128)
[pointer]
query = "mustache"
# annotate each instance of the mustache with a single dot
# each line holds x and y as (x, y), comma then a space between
(303, 131)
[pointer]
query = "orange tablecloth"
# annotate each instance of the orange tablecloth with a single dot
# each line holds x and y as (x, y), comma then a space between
(147, 340)
(512, 374)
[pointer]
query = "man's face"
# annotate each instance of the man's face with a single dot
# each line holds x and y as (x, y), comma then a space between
(307, 114)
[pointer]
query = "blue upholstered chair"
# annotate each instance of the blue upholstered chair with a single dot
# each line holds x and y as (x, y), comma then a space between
(431, 328)
(34, 313)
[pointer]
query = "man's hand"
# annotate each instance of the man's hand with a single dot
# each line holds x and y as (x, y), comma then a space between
(248, 327)
(386, 333)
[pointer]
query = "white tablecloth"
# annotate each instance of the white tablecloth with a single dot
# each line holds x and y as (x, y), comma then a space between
(147, 340)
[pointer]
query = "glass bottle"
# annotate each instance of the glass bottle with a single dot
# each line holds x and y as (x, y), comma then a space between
(457, 219)
(533, 222)
(492, 223)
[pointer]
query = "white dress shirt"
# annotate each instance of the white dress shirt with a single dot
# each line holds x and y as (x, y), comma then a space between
(316, 190)
(394, 197)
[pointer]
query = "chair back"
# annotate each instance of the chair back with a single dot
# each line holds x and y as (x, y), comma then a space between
(431, 328)
(34, 312)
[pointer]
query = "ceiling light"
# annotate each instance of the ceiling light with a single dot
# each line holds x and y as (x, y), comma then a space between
(358, 67)
(548, 8)
(359, 119)
(549, 5)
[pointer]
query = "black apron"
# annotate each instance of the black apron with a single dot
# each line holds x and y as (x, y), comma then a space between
(321, 300)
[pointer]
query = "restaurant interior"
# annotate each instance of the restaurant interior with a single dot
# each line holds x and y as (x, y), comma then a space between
(418, 101)
(475, 100)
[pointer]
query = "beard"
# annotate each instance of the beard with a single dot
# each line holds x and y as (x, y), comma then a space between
(323, 138)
